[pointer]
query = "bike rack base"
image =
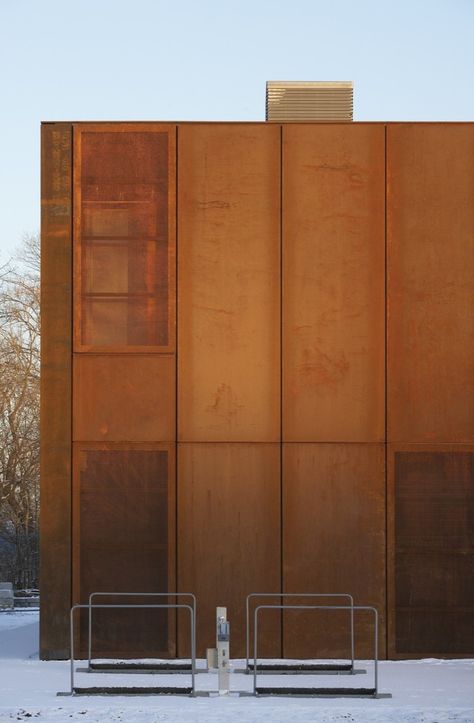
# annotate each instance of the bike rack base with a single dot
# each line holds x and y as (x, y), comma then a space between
(165, 668)
(116, 690)
(133, 690)
(304, 668)
(319, 692)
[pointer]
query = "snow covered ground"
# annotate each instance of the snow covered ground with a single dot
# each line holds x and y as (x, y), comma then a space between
(425, 691)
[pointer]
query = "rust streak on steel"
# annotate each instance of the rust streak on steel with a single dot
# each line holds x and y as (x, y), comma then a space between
(229, 283)
(430, 225)
(229, 521)
(334, 536)
(333, 283)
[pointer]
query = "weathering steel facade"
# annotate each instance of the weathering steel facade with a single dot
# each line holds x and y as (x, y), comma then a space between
(258, 376)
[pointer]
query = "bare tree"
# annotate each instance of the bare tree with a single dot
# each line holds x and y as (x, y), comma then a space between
(19, 415)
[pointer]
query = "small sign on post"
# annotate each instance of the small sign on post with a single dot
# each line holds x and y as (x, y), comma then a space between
(223, 650)
(219, 657)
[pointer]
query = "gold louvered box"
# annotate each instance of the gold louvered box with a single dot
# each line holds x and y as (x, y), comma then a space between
(309, 100)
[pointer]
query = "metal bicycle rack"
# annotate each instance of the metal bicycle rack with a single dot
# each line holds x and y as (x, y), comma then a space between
(316, 692)
(116, 690)
(164, 667)
(301, 668)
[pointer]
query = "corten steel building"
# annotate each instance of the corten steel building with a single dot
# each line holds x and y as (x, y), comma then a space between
(258, 376)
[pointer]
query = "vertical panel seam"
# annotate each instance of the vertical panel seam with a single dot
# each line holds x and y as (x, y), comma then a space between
(176, 388)
(281, 384)
(387, 611)
(71, 368)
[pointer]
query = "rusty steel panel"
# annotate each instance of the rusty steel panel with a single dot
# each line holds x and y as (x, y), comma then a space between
(56, 341)
(333, 283)
(430, 550)
(229, 283)
(122, 397)
(124, 541)
(229, 537)
(430, 227)
(124, 237)
(333, 541)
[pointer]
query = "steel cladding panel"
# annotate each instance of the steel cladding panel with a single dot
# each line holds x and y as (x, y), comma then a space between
(229, 537)
(124, 382)
(124, 232)
(333, 283)
(431, 553)
(56, 344)
(430, 230)
(229, 283)
(333, 541)
(124, 397)
(124, 541)
(229, 373)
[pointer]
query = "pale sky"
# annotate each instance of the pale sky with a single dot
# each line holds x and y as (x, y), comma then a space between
(209, 60)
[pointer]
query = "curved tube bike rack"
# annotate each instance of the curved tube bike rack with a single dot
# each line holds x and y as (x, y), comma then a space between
(316, 692)
(122, 690)
(301, 668)
(164, 667)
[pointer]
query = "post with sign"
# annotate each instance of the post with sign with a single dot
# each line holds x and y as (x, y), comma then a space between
(223, 640)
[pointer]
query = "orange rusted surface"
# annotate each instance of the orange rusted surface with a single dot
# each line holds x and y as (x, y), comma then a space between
(333, 283)
(122, 397)
(229, 283)
(124, 237)
(124, 377)
(429, 538)
(56, 343)
(124, 539)
(279, 228)
(229, 537)
(333, 541)
(430, 230)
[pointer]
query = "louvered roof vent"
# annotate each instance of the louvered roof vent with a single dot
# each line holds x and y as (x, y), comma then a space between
(290, 100)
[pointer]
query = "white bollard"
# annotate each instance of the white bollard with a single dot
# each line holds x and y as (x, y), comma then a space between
(211, 657)
(223, 650)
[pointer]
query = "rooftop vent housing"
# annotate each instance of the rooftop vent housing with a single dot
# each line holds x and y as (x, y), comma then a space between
(289, 100)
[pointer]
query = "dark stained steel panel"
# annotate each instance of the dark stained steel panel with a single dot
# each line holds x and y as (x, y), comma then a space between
(430, 230)
(229, 538)
(229, 283)
(56, 343)
(434, 551)
(124, 397)
(124, 270)
(333, 283)
(333, 541)
(124, 541)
